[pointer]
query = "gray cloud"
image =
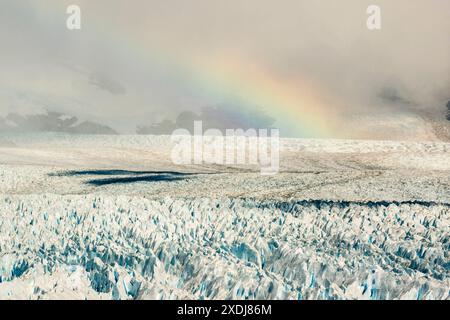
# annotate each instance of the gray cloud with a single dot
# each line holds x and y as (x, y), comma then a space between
(218, 117)
(448, 111)
(393, 97)
(105, 83)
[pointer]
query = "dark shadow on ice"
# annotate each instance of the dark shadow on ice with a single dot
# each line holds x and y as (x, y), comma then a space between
(125, 180)
(124, 176)
(115, 173)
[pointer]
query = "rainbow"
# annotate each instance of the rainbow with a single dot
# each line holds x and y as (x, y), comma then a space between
(298, 108)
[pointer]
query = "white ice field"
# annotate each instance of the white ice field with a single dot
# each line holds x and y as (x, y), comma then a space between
(110, 217)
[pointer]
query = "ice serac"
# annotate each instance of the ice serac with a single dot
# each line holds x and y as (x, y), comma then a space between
(124, 247)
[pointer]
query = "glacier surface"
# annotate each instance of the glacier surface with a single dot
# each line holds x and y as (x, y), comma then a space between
(110, 217)
(119, 247)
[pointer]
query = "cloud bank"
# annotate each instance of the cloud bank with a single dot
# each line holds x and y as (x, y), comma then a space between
(121, 68)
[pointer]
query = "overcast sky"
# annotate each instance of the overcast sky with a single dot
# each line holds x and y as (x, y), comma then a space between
(125, 67)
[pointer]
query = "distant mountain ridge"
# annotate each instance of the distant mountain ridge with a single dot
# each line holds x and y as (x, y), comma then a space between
(51, 122)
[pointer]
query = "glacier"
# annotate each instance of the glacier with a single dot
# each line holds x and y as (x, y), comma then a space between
(119, 247)
(111, 217)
